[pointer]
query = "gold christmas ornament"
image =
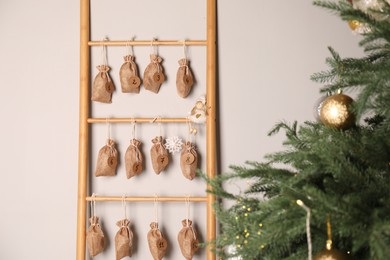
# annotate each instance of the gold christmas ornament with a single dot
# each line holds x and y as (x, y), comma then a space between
(335, 111)
(354, 24)
(329, 253)
(332, 254)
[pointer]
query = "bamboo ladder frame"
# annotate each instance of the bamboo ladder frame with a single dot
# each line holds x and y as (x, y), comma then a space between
(84, 122)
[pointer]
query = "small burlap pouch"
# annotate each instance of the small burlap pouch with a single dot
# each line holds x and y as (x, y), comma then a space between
(103, 86)
(187, 239)
(153, 75)
(188, 160)
(128, 74)
(107, 161)
(159, 155)
(123, 240)
(95, 237)
(184, 79)
(157, 243)
(133, 159)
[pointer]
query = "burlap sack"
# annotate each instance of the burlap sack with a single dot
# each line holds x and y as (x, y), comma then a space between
(133, 159)
(123, 239)
(128, 74)
(107, 160)
(188, 160)
(95, 237)
(153, 75)
(187, 239)
(157, 243)
(184, 79)
(102, 85)
(159, 155)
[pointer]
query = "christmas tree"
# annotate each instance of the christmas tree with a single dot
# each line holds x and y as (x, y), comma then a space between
(334, 174)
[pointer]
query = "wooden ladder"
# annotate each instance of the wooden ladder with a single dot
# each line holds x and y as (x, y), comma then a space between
(85, 120)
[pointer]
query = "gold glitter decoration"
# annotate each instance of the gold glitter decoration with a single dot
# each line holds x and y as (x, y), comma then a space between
(335, 112)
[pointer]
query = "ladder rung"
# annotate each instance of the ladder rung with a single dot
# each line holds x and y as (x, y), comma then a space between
(147, 43)
(148, 198)
(138, 120)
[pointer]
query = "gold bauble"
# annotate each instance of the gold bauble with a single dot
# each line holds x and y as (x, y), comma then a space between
(335, 112)
(331, 254)
(354, 24)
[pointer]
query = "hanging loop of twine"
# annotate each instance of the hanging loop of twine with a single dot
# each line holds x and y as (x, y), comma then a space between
(93, 209)
(156, 208)
(124, 205)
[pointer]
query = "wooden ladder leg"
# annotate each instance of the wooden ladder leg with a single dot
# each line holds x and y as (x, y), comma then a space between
(83, 129)
(211, 120)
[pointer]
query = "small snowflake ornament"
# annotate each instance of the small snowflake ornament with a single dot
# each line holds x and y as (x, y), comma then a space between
(173, 144)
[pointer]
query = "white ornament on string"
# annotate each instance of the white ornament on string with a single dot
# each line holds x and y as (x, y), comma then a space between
(173, 144)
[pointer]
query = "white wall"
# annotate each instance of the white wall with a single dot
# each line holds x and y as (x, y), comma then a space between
(267, 52)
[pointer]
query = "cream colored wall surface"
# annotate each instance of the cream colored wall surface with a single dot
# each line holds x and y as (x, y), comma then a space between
(267, 52)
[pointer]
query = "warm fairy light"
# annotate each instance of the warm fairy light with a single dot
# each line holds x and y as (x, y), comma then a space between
(249, 209)
(260, 225)
(246, 214)
(237, 237)
(300, 202)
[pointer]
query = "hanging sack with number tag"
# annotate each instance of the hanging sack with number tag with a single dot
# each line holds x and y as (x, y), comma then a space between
(153, 75)
(133, 159)
(95, 237)
(128, 73)
(107, 160)
(159, 155)
(188, 160)
(187, 239)
(123, 239)
(157, 243)
(102, 85)
(184, 79)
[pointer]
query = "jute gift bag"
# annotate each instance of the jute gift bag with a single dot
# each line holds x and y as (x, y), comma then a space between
(128, 74)
(133, 159)
(107, 161)
(102, 85)
(95, 236)
(157, 243)
(159, 155)
(187, 239)
(184, 79)
(188, 160)
(123, 239)
(154, 75)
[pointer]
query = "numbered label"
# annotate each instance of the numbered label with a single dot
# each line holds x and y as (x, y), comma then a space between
(161, 244)
(189, 158)
(158, 77)
(163, 160)
(112, 161)
(135, 81)
(188, 80)
(137, 168)
(110, 87)
(195, 245)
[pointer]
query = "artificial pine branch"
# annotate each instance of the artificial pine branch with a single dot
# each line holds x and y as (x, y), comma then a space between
(345, 174)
